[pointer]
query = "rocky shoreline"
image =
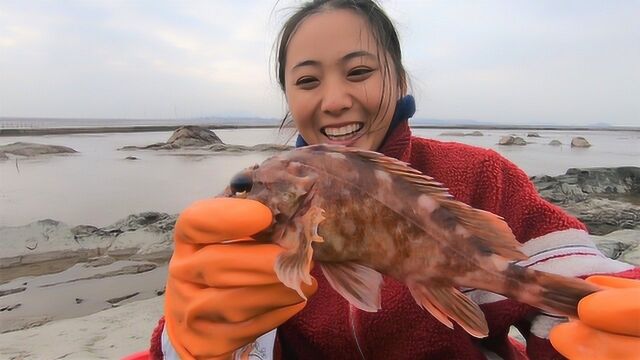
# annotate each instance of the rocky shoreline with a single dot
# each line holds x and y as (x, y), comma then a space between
(50, 270)
(188, 137)
(605, 199)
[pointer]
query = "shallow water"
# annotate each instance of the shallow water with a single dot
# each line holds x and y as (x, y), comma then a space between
(609, 148)
(98, 186)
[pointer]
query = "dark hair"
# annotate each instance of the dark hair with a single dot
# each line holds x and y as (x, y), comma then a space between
(384, 33)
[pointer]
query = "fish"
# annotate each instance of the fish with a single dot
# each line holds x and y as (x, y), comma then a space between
(359, 215)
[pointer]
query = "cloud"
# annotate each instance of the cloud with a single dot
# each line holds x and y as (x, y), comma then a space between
(543, 61)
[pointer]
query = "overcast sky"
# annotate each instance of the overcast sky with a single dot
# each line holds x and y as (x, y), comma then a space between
(513, 62)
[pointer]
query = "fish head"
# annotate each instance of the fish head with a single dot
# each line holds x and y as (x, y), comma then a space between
(282, 184)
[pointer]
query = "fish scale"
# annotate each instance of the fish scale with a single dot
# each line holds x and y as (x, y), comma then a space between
(359, 214)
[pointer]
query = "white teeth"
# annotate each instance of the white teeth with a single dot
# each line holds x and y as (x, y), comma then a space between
(341, 131)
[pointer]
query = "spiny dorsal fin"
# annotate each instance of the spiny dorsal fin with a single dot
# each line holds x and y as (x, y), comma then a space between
(426, 184)
(489, 229)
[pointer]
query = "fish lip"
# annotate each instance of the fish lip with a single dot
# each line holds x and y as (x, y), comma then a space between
(348, 141)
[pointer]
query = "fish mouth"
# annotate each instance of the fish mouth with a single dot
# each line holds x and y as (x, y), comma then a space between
(343, 133)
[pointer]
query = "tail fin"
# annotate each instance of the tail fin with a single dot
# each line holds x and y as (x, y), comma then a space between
(556, 294)
(562, 294)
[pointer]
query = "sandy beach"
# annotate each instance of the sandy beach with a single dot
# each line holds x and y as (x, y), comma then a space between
(82, 292)
(109, 334)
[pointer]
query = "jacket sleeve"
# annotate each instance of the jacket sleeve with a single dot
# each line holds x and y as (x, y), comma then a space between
(155, 346)
(555, 242)
(507, 191)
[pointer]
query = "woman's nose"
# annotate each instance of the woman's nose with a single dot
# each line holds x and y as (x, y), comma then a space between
(336, 98)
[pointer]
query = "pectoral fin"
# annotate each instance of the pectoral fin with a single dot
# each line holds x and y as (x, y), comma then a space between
(358, 284)
(293, 266)
(448, 302)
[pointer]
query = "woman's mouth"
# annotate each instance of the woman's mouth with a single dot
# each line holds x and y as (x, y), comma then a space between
(342, 133)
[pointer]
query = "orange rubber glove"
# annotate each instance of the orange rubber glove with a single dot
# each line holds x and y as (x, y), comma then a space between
(609, 325)
(222, 292)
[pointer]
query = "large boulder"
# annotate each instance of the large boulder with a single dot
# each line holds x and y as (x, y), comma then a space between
(191, 135)
(580, 142)
(188, 136)
(33, 149)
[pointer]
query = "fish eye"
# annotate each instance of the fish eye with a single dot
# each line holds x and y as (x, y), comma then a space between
(241, 184)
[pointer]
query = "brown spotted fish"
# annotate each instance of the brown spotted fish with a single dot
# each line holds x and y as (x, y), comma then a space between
(359, 214)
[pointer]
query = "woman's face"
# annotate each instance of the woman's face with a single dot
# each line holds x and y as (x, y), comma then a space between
(335, 81)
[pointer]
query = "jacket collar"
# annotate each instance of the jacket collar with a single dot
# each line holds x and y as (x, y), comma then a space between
(397, 144)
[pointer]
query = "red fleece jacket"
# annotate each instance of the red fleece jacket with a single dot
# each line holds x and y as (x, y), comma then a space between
(329, 328)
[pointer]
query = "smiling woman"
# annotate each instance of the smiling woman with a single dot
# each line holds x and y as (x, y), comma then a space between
(341, 71)
(340, 67)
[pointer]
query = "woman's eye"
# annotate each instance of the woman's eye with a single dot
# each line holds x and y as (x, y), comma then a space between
(307, 82)
(359, 73)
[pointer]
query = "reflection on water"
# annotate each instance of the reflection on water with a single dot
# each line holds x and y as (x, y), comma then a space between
(98, 186)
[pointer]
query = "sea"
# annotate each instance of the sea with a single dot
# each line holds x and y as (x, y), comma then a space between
(99, 186)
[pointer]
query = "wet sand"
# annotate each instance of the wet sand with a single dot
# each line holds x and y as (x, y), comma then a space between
(109, 334)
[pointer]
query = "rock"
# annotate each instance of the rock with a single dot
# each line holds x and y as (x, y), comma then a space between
(199, 138)
(603, 216)
(10, 307)
(150, 219)
(131, 158)
(12, 291)
(32, 149)
(511, 140)
(579, 141)
(83, 230)
(605, 199)
(49, 246)
(555, 143)
(533, 134)
(100, 261)
(191, 135)
(519, 141)
(79, 301)
(452, 133)
(577, 184)
(121, 298)
(271, 147)
(623, 245)
(242, 148)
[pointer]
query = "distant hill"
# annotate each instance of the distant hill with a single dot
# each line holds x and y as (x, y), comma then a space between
(12, 125)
